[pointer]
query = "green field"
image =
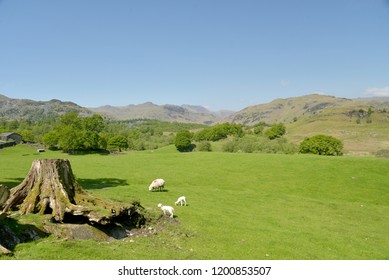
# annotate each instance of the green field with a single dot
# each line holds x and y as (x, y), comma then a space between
(240, 206)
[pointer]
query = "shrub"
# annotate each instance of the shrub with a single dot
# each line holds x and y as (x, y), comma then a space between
(183, 141)
(275, 131)
(258, 144)
(204, 146)
(321, 145)
(259, 128)
(229, 146)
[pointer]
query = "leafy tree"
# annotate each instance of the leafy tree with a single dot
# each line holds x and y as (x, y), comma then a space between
(93, 123)
(91, 127)
(118, 142)
(51, 139)
(73, 132)
(219, 131)
(183, 141)
(27, 135)
(275, 131)
(70, 119)
(69, 139)
(321, 145)
(259, 127)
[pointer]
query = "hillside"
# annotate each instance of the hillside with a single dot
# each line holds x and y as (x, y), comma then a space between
(171, 113)
(15, 109)
(362, 130)
(290, 109)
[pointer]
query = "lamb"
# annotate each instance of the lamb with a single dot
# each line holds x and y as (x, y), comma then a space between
(157, 184)
(165, 209)
(181, 199)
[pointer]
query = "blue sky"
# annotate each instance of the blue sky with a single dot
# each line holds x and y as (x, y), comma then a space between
(222, 54)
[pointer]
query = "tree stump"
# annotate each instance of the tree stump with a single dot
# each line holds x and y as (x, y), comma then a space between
(50, 188)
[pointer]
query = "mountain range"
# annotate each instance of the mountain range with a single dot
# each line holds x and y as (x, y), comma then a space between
(16, 109)
(11, 108)
(362, 124)
(167, 112)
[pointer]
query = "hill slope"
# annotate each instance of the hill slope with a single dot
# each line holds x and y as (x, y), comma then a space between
(172, 113)
(290, 109)
(362, 124)
(15, 109)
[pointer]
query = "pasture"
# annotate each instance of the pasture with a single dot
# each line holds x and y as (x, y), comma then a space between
(240, 206)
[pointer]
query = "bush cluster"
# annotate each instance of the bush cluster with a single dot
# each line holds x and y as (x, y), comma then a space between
(321, 145)
(219, 131)
(258, 144)
(204, 146)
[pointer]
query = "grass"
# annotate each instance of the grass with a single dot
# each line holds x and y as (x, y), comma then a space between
(240, 206)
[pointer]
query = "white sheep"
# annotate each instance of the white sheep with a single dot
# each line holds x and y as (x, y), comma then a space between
(165, 209)
(181, 199)
(157, 184)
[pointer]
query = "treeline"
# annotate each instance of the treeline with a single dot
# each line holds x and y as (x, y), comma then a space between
(72, 133)
(261, 137)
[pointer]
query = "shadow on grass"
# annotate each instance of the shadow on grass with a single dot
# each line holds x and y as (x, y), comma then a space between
(101, 183)
(164, 190)
(13, 182)
(13, 233)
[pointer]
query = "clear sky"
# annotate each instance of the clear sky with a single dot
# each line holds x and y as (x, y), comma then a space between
(222, 54)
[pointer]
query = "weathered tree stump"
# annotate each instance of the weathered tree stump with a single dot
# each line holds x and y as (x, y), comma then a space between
(50, 188)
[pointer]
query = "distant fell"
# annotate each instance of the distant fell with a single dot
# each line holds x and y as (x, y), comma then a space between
(362, 124)
(16, 109)
(289, 109)
(167, 112)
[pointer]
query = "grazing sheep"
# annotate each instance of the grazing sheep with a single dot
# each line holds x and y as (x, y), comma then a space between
(181, 199)
(165, 209)
(157, 184)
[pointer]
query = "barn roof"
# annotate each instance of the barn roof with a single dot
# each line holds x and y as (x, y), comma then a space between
(7, 133)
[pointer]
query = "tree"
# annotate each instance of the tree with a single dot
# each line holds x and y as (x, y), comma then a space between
(93, 123)
(51, 139)
(183, 141)
(275, 131)
(321, 145)
(72, 133)
(219, 131)
(118, 142)
(259, 127)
